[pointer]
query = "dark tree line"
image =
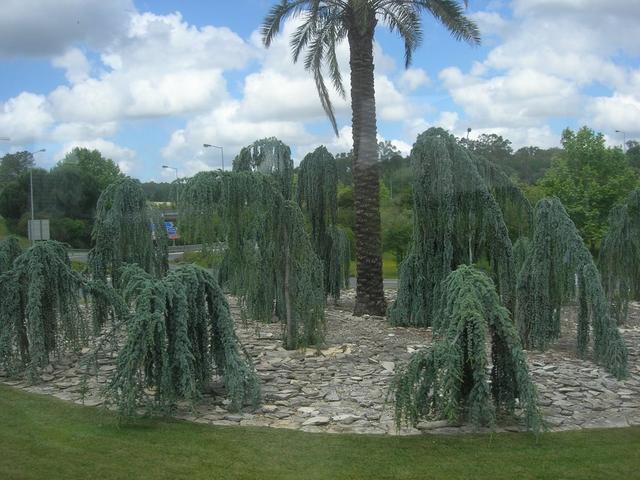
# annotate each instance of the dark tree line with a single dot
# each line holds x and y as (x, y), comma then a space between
(67, 194)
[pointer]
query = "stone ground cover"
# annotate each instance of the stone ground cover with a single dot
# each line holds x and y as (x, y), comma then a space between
(343, 387)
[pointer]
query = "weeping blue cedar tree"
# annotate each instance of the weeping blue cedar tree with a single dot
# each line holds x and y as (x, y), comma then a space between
(268, 156)
(559, 268)
(450, 380)
(179, 332)
(457, 221)
(40, 312)
(317, 196)
(9, 250)
(620, 256)
(269, 261)
(126, 231)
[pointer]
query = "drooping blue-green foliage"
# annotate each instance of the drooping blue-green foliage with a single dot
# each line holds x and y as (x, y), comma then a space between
(269, 260)
(620, 256)
(559, 268)
(126, 231)
(451, 380)
(516, 209)
(520, 251)
(271, 157)
(179, 333)
(457, 221)
(9, 250)
(318, 197)
(40, 312)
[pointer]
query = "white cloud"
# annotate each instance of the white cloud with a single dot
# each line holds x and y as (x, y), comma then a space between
(277, 100)
(224, 126)
(618, 112)
(448, 120)
(167, 42)
(273, 94)
(490, 23)
(550, 53)
(339, 144)
(46, 28)
(403, 147)
(519, 98)
(541, 136)
(75, 64)
(25, 118)
(285, 90)
(162, 66)
(65, 132)
(413, 78)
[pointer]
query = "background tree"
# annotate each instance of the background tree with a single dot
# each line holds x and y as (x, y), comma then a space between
(158, 191)
(397, 231)
(492, 147)
(589, 179)
(449, 379)
(620, 256)
(531, 163)
(103, 170)
(13, 165)
(72, 197)
(633, 154)
(324, 25)
(66, 195)
(14, 201)
(558, 268)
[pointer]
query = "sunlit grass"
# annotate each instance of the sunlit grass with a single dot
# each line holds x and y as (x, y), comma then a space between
(44, 438)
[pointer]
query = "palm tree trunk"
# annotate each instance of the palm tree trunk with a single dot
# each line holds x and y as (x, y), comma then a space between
(369, 289)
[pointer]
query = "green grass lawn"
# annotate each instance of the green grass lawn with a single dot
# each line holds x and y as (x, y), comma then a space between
(45, 438)
(4, 232)
(389, 266)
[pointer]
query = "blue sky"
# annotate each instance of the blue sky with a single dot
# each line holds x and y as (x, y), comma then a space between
(148, 82)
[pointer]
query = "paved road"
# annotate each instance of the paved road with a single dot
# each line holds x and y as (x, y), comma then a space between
(174, 252)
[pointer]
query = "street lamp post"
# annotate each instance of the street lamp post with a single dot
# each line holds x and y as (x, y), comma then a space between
(208, 145)
(176, 171)
(33, 217)
(624, 139)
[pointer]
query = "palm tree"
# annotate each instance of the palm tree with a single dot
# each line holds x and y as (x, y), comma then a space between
(325, 23)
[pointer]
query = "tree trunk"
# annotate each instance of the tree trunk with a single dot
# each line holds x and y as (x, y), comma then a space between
(291, 336)
(369, 289)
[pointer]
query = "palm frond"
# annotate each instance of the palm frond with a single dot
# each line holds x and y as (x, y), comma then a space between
(451, 14)
(332, 61)
(278, 13)
(403, 18)
(313, 62)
